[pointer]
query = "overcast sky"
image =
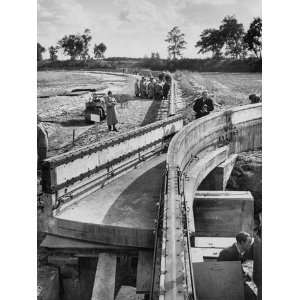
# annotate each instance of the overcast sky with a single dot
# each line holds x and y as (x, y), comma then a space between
(134, 28)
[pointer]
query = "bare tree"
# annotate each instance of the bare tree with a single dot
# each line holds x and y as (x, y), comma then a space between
(176, 43)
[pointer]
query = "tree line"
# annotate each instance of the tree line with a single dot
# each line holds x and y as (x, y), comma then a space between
(230, 40)
(76, 46)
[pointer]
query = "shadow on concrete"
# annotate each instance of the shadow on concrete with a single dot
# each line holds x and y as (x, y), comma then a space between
(75, 122)
(151, 113)
(135, 206)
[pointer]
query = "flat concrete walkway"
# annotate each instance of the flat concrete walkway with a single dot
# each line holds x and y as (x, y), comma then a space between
(128, 201)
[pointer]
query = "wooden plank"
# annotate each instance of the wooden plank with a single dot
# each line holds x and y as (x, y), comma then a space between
(219, 280)
(203, 254)
(57, 242)
(104, 284)
(214, 242)
(223, 214)
(144, 272)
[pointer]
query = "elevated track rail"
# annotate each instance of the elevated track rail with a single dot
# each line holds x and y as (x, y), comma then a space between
(194, 151)
(192, 154)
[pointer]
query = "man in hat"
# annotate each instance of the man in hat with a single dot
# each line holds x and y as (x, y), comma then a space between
(111, 114)
(137, 87)
(167, 86)
(151, 88)
(158, 87)
(143, 87)
(42, 142)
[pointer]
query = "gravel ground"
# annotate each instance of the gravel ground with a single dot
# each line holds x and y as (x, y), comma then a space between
(62, 110)
(129, 118)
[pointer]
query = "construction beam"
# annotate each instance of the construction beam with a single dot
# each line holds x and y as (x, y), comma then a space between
(104, 284)
(218, 178)
(144, 272)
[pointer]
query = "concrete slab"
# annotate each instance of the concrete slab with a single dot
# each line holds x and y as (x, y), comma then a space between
(121, 213)
(127, 202)
(57, 242)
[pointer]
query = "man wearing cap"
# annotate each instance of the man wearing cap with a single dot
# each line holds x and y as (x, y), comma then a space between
(203, 105)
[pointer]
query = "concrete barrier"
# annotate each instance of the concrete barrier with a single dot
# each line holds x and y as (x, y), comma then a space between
(68, 172)
(193, 153)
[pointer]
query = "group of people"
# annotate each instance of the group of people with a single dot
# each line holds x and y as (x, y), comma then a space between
(152, 88)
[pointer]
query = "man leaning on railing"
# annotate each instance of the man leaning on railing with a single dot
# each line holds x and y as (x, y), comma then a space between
(203, 105)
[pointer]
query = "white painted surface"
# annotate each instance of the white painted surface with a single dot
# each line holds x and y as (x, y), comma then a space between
(214, 242)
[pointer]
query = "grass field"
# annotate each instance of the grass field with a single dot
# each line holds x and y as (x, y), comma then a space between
(228, 89)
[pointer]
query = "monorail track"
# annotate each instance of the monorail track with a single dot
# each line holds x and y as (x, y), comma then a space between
(194, 151)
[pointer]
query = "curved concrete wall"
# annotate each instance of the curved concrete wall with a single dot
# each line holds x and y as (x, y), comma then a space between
(194, 152)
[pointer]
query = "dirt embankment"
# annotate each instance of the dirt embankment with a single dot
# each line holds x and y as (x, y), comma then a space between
(247, 176)
(226, 89)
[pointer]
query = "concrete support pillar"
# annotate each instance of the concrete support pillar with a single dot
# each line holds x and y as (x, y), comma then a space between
(218, 178)
(48, 283)
(144, 273)
(104, 284)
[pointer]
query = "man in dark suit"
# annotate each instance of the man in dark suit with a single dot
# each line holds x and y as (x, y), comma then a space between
(203, 105)
(42, 142)
(242, 250)
(239, 251)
